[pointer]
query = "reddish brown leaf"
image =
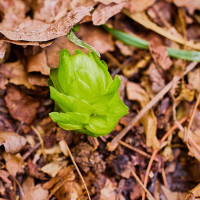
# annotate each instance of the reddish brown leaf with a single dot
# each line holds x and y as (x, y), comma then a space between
(104, 12)
(21, 106)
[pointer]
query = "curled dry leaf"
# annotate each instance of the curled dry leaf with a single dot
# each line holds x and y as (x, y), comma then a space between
(54, 167)
(137, 93)
(158, 82)
(13, 163)
(32, 191)
(138, 5)
(35, 30)
(15, 73)
(21, 106)
(191, 6)
(12, 142)
(104, 12)
(96, 37)
(160, 55)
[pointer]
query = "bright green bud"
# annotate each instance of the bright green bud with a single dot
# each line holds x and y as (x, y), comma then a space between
(85, 95)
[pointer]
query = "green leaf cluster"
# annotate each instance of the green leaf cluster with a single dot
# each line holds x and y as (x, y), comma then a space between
(86, 97)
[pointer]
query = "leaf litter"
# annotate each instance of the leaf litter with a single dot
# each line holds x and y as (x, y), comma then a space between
(38, 165)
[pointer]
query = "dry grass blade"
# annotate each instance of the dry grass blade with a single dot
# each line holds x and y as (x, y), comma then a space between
(72, 158)
(114, 143)
(142, 19)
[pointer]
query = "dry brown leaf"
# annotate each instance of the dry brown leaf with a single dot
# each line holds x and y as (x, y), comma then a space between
(13, 163)
(4, 176)
(38, 63)
(137, 93)
(194, 79)
(106, 2)
(172, 195)
(21, 106)
(108, 191)
(32, 191)
(12, 142)
(49, 11)
(54, 167)
(38, 79)
(124, 49)
(96, 37)
(35, 30)
(15, 73)
(103, 12)
(190, 5)
(70, 191)
(158, 82)
(138, 5)
(160, 55)
(3, 46)
(52, 51)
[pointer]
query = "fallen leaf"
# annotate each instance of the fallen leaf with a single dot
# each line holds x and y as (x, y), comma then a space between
(4, 177)
(194, 79)
(108, 191)
(13, 164)
(12, 142)
(38, 63)
(38, 79)
(124, 49)
(160, 55)
(52, 51)
(32, 191)
(15, 73)
(138, 5)
(54, 167)
(172, 195)
(3, 46)
(36, 30)
(96, 37)
(191, 6)
(21, 106)
(106, 2)
(103, 12)
(49, 11)
(158, 82)
(137, 93)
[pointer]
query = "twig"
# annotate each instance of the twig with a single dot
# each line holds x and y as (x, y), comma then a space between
(149, 195)
(157, 150)
(41, 140)
(72, 158)
(30, 151)
(112, 146)
(164, 177)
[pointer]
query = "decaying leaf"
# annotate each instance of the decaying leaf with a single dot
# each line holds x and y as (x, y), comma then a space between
(160, 55)
(103, 12)
(15, 73)
(21, 106)
(12, 142)
(138, 5)
(96, 37)
(194, 79)
(106, 2)
(54, 167)
(13, 163)
(190, 5)
(137, 93)
(36, 30)
(32, 191)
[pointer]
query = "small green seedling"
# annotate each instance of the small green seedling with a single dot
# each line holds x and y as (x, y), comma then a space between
(86, 97)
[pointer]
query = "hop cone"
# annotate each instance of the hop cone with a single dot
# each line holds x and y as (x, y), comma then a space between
(86, 97)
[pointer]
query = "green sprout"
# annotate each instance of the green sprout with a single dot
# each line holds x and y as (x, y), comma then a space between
(86, 97)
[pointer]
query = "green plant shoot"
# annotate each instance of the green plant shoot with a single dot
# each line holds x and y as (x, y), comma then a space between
(86, 97)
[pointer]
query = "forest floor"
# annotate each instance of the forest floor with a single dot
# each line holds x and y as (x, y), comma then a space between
(153, 152)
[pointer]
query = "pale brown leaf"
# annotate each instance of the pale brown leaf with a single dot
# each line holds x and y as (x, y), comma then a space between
(12, 142)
